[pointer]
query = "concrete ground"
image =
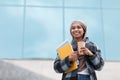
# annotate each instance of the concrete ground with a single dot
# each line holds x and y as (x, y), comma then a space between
(43, 70)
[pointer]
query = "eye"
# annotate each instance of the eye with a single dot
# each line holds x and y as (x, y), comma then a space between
(79, 27)
(73, 27)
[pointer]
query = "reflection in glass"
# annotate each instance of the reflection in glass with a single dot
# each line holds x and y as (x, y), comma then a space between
(43, 32)
(11, 31)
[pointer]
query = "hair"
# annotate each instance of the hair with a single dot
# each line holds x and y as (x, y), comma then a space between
(82, 25)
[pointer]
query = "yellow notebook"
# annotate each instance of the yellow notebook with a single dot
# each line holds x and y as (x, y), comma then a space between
(64, 50)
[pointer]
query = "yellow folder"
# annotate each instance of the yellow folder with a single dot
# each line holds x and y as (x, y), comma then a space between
(64, 50)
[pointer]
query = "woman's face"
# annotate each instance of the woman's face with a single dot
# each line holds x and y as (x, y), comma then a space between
(77, 31)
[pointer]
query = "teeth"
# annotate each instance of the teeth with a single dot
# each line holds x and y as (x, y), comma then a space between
(76, 33)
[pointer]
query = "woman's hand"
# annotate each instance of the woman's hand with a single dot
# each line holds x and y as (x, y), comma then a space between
(73, 56)
(86, 51)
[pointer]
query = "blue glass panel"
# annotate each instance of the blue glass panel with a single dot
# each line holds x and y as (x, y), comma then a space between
(43, 32)
(111, 3)
(92, 18)
(11, 29)
(112, 31)
(82, 3)
(45, 2)
(11, 2)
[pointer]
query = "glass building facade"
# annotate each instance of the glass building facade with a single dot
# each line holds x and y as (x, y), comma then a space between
(35, 28)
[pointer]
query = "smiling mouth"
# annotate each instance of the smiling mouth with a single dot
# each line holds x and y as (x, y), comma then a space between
(76, 33)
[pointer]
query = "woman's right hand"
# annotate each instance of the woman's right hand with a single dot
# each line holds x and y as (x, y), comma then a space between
(73, 57)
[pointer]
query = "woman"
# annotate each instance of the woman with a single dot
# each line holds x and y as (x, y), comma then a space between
(85, 53)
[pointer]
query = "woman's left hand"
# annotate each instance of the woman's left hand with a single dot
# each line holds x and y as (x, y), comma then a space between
(86, 51)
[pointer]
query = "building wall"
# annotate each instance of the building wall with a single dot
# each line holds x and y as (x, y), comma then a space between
(34, 28)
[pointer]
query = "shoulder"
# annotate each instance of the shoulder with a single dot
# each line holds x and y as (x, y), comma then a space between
(91, 46)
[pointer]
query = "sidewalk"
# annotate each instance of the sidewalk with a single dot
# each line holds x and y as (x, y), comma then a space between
(10, 71)
(44, 69)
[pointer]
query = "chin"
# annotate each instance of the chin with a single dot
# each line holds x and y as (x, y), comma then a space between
(76, 37)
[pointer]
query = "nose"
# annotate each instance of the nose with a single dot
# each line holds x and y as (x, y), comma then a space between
(76, 28)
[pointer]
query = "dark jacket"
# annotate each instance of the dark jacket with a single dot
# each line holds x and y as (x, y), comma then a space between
(93, 63)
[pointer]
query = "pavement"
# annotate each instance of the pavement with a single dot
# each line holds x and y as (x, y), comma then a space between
(9, 71)
(43, 70)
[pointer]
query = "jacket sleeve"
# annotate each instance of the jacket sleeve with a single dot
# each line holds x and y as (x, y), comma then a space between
(96, 60)
(61, 66)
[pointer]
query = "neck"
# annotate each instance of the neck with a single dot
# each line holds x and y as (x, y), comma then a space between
(78, 39)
